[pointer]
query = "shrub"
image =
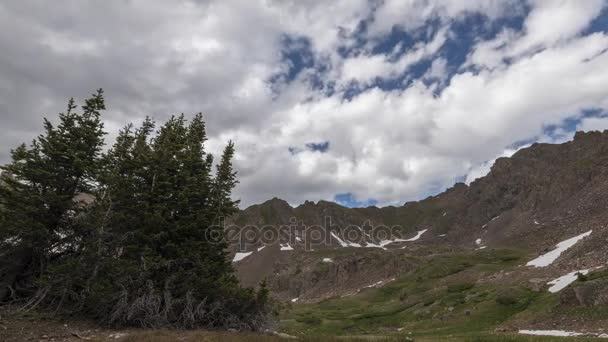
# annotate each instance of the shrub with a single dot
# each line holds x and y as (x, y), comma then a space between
(460, 287)
(507, 298)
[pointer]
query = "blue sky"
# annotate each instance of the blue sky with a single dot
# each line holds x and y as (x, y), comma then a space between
(360, 102)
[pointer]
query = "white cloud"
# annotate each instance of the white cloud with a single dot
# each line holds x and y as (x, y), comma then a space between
(413, 14)
(159, 59)
(549, 23)
(593, 124)
(438, 70)
(365, 68)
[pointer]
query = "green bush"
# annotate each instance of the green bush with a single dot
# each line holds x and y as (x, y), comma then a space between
(507, 298)
(581, 277)
(309, 318)
(460, 287)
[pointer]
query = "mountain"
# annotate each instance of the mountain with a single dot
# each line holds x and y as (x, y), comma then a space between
(547, 200)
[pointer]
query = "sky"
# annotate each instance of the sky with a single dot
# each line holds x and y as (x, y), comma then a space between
(359, 102)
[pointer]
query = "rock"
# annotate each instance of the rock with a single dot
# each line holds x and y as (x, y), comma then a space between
(278, 334)
(117, 335)
(537, 284)
(467, 312)
(500, 330)
(283, 335)
(589, 293)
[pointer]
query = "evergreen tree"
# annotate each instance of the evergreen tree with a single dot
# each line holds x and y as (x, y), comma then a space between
(146, 248)
(37, 197)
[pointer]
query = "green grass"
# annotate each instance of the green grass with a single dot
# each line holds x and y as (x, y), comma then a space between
(425, 301)
(441, 300)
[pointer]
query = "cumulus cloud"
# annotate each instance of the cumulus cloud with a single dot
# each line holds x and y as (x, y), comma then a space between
(593, 124)
(275, 77)
(363, 69)
(413, 14)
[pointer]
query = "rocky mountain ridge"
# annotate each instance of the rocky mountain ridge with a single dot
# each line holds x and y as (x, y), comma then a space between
(542, 195)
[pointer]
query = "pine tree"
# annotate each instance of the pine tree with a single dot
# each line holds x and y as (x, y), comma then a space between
(38, 192)
(146, 248)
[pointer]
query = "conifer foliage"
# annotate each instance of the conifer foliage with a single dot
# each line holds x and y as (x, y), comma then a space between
(131, 236)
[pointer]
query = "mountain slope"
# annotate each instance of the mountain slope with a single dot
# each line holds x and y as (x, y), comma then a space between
(543, 197)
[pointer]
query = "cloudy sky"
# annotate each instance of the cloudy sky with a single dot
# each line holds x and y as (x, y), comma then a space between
(361, 102)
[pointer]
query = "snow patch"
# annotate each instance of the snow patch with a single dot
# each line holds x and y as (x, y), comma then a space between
(548, 258)
(565, 280)
(494, 218)
(286, 247)
(259, 249)
(380, 244)
(478, 242)
(294, 300)
(240, 256)
(373, 285)
(353, 244)
(378, 283)
(383, 243)
(342, 243)
(373, 245)
(418, 235)
(550, 333)
(327, 260)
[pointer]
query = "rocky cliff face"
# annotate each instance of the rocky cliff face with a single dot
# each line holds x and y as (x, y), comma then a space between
(540, 196)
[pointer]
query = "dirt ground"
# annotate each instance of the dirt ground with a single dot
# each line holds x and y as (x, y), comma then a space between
(36, 327)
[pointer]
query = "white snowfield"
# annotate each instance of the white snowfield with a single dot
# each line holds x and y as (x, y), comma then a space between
(380, 244)
(563, 281)
(418, 235)
(240, 256)
(550, 333)
(327, 260)
(478, 242)
(548, 258)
